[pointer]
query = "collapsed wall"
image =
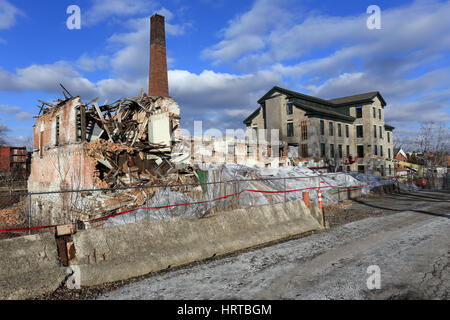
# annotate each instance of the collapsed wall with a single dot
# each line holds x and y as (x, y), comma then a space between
(80, 146)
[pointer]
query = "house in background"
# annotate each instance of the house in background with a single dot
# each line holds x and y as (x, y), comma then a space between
(348, 133)
(400, 168)
(13, 158)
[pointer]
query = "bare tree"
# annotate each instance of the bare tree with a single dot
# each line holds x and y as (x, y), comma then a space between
(433, 143)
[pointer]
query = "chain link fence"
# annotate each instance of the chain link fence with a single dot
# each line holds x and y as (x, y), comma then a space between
(27, 213)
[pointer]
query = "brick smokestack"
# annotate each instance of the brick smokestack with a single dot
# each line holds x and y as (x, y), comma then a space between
(158, 83)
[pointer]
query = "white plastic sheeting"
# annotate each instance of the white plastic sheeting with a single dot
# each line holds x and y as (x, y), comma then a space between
(372, 180)
(230, 178)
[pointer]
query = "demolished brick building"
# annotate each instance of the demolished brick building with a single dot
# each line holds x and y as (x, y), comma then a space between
(79, 146)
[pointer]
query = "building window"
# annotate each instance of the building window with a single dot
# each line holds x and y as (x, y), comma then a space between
(331, 128)
(381, 151)
(322, 127)
(359, 132)
(304, 130)
(390, 170)
(290, 129)
(41, 143)
(375, 150)
(379, 114)
(57, 132)
(255, 134)
(332, 151)
(304, 151)
(360, 150)
(381, 132)
(289, 108)
(389, 137)
(346, 131)
(374, 131)
(348, 150)
(382, 171)
(322, 150)
(359, 112)
(78, 126)
(374, 112)
(340, 151)
(389, 154)
(339, 130)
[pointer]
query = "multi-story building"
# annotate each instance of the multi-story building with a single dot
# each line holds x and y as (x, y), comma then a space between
(349, 133)
(13, 158)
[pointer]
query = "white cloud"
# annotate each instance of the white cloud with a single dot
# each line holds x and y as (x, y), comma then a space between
(46, 78)
(102, 10)
(16, 111)
(333, 56)
(8, 14)
(246, 33)
(90, 64)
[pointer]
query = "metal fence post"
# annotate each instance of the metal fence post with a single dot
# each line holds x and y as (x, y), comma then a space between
(148, 201)
(29, 213)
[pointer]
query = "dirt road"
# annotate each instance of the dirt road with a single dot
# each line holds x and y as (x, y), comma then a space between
(407, 236)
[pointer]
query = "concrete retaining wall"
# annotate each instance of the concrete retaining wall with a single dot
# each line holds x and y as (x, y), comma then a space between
(345, 194)
(29, 266)
(122, 252)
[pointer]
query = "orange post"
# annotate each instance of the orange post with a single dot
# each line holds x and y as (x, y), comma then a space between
(306, 199)
(319, 196)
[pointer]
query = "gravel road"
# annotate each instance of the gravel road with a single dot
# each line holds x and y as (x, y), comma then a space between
(408, 239)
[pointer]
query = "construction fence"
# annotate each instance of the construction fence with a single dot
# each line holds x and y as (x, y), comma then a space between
(26, 213)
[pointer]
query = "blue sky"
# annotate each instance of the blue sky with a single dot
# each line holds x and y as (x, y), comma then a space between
(224, 55)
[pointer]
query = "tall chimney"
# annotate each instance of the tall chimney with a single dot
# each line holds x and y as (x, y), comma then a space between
(158, 83)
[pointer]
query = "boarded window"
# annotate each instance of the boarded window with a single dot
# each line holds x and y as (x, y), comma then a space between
(304, 130)
(331, 128)
(41, 144)
(322, 127)
(322, 150)
(304, 150)
(57, 131)
(339, 130)
(78, 124)
(340, 150)
(332, 151)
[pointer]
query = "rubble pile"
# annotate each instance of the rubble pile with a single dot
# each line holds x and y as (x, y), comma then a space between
(119, 137)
